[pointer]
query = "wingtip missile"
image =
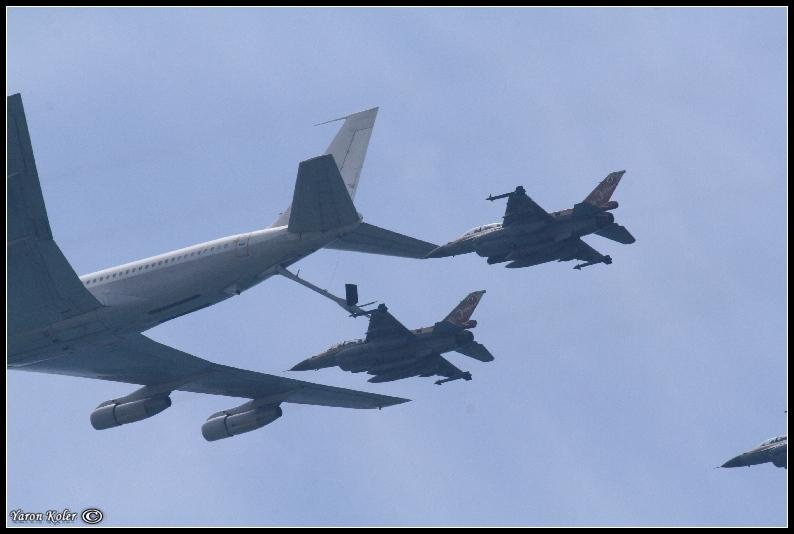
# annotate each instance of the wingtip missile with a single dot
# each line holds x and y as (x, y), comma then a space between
(519, 190)
(607, 260)
(465, 376)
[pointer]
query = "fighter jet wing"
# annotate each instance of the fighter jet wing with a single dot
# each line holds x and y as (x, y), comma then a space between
(477, 351)
(42, 287)
(445, 368)
(383, 325)
(522, 209)
(587, 253)
(136, 359)
(781, 459)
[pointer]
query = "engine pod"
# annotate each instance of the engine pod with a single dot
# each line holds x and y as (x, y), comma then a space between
(226, 425)
(116, 414)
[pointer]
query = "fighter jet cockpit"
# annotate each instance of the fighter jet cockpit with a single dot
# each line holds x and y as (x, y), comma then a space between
(773, 440)
(344, 344)
(480, 229)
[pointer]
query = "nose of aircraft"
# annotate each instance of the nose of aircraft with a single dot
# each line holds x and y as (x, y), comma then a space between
(321, 361)
(734, 462)
(306, 365)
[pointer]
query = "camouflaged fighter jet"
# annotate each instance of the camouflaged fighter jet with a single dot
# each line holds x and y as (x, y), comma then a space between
(392, 352)
(529, 235)
(773, 450)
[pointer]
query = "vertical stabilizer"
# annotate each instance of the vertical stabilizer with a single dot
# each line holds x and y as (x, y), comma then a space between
(348, 148)
(603, 191)
(320, 202)
(461, 314)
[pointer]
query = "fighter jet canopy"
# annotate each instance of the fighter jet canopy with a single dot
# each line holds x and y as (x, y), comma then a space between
(773, 440)
(479, 229)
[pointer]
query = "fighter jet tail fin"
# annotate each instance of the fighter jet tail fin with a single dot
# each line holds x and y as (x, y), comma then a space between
(603, 191)
(460, 316)
(348, 148)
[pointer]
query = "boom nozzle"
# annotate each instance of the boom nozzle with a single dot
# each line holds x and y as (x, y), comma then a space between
(351, 294)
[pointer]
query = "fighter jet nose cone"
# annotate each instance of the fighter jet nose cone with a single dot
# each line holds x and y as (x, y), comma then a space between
(305, 365)
(734, 462)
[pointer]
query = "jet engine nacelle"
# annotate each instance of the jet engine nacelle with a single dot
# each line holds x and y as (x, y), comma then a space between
(464, 337)
(605, 218)
(114, 413)
(225, 425)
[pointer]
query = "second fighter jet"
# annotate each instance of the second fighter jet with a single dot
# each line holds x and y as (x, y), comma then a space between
(392, 352)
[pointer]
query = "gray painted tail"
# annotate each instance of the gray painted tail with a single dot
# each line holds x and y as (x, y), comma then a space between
(321, 201)
(348, 148)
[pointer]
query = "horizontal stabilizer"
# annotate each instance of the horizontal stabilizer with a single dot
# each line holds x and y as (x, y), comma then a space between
(321, 201)
(618, 233)
(375, 240)
(477, 351)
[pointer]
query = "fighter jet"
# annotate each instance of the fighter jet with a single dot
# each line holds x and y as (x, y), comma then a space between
(773, 450)
(529, 235)
(391, 352)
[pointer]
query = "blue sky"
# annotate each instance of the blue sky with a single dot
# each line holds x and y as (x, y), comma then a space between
(615, 390)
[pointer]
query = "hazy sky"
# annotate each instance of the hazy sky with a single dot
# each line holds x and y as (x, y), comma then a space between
(615, 390)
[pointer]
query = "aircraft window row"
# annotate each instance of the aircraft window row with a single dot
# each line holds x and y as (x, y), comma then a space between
(152, 265)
